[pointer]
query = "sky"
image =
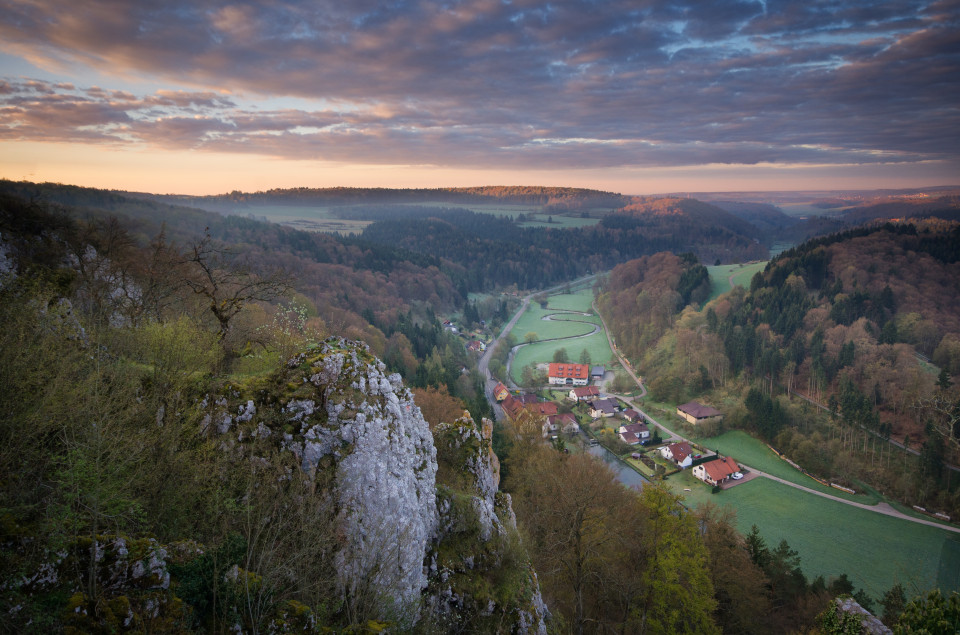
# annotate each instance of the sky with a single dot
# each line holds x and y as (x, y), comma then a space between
(630, 96)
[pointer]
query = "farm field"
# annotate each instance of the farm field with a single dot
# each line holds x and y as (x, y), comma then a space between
(531, 322)
(875, 551)
(755, 453)
(742, 274)
(307, 218)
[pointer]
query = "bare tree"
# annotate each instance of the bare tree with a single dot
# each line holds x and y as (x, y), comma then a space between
(227, 284)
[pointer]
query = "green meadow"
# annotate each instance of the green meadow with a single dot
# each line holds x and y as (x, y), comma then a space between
(755, 453)
(874, 550)
(742, 274)
(564, 325)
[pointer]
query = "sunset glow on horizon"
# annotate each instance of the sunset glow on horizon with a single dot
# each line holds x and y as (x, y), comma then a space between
(205, 98)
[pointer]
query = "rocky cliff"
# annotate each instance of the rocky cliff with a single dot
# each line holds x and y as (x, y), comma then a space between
(408, 524)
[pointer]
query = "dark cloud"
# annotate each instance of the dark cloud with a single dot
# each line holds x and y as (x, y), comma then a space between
(490, 83)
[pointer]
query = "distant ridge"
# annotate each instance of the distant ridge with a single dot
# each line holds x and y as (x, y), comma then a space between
(548, 197)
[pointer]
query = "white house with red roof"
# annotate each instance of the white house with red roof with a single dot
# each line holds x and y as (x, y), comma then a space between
(681, 454)
(584, 393)
(562, 374)
(716, 472)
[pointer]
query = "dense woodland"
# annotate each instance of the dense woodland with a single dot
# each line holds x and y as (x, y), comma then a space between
(823, 355)
(549, 198)
(118, 314)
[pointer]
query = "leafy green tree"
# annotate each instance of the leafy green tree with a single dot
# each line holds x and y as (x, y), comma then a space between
(677, 595)
(836, 621)
(934, 614)
(893, 602)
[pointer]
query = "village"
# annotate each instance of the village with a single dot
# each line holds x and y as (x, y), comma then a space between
(573, 407)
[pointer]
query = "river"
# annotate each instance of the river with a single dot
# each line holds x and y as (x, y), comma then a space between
(626, 475)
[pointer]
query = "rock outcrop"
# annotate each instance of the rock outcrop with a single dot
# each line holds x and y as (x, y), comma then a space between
(419, 515)
(410, 525)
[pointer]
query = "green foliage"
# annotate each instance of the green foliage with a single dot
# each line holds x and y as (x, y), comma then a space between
(198, 579)
(835, 621)
(933, 615)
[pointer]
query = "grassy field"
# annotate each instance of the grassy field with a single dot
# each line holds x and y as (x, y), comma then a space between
(755, 453)
(875, 551)
(531, 322)
(742, 274)
(307, 218)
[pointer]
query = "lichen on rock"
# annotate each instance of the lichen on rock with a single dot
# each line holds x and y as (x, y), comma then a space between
(341, 413)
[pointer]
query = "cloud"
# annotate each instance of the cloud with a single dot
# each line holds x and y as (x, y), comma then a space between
(492, 83)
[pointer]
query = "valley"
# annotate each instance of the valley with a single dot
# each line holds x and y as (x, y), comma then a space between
(467, 312)
(832, 538)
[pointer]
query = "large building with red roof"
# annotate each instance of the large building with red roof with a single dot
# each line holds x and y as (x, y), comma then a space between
(563, 374)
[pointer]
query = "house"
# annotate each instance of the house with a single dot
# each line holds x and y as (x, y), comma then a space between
(476, 346)
(500, 392)
(549, 428)
(565, 422)
(544, 408)
(639, 430)
(512, 406)
(559, 374)
(603, 408)
(681, 454)
(696, 412)
(597, 372)
(716, 472)
(584, 393)
(632, 416)
(629, 438)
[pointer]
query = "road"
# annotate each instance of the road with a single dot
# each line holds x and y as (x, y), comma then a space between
(483, 365)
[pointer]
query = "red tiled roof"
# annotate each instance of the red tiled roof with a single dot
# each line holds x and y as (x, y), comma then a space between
(562, 419)
(563, 371)
(680, 451)
(543, 408)
(721, 468)
(586, 391)
(512, 406)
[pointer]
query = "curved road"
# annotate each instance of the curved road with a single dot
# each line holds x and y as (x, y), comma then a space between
(484, 367)
(880, 508)
(483, 364)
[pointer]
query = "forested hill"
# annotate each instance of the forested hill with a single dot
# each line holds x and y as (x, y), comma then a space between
(945, 207)
(489, 251)
(842, 319)
(548, 198)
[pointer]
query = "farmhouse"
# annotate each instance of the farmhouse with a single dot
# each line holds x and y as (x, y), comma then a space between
(603, 408)
(568, 374)
(565, 422)
(500, 392)
(544, 408)
(584, 393)
(716, 472)
(512, 406)
(680, 454)
(639, 430)
(695, 412)
(476, 346)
